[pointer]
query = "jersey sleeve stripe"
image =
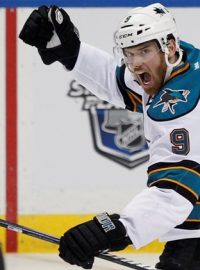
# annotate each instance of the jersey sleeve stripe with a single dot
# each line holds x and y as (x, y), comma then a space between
(176, 182)
(188, 164)
(175, 167)
(178, 188)
(183, 177)
(193, 221)
(189, 225)
(186, 179)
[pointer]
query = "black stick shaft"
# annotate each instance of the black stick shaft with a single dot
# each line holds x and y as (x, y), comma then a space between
(46, 237)
(25, 230)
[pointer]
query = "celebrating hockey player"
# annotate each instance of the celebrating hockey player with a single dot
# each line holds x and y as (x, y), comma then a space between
(158, 76)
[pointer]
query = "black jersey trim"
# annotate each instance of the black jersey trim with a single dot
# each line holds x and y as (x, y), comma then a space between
(185, 164)
(189, 225)
(126, 92)
(176, 187)
(188, 164)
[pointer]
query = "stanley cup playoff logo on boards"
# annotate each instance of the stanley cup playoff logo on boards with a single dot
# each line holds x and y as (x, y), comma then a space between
(118, 133)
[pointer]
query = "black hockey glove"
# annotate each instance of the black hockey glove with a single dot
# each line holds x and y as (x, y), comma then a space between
(37, 30)
(80, 244)
(64, 43)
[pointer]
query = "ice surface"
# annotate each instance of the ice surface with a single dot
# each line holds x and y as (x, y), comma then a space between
(53, 262)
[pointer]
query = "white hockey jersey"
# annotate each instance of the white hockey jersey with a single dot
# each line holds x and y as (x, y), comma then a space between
(170, 123)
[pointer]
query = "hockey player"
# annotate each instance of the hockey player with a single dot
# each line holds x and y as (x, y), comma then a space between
(159, 77)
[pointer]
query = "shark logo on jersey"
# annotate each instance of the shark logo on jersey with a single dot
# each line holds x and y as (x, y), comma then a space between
(170, 98)
(117, 133)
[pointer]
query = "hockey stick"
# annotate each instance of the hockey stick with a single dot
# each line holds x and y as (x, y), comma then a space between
(46, 237)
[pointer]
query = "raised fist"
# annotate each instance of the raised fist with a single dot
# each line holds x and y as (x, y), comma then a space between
(53, 33)
(37, 30)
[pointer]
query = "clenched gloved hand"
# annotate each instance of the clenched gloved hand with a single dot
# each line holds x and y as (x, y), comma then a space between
(80, 244)
(53, 33)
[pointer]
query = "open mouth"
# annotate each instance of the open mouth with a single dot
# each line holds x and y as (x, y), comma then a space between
(145, 78)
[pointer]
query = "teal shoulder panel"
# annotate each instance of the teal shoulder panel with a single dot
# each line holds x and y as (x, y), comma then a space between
(179, 95)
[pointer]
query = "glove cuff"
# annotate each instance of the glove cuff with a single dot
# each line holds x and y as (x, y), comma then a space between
(105, 222)
(114, 230)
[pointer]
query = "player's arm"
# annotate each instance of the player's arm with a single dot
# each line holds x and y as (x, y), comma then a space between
(98, 72)
(148, 216)
(51, 31)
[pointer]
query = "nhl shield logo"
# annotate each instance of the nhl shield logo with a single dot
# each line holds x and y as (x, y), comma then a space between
(118, 134)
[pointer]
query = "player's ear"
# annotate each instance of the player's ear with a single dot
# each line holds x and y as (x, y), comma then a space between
(171, 45)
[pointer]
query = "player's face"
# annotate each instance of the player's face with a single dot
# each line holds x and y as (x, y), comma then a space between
(147, 62)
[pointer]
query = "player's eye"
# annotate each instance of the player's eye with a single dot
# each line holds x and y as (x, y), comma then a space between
(145, 52)
(128, 54)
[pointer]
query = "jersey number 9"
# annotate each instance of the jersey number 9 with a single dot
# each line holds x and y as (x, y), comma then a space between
(180, 140)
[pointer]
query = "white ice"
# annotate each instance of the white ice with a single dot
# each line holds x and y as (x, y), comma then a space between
(53, 262)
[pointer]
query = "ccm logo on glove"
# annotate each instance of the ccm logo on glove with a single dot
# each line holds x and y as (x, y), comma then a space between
(59, 16)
